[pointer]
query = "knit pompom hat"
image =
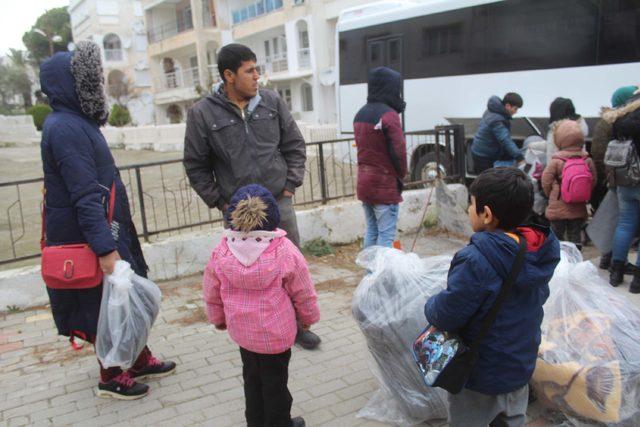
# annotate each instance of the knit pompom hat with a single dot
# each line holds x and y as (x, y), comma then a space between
(568, 135)
(253, 207)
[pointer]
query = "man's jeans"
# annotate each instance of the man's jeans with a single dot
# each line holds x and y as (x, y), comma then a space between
(628, 221)
(381, 224)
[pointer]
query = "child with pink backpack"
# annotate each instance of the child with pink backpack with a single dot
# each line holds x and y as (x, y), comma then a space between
(568, 181)
(257, 286)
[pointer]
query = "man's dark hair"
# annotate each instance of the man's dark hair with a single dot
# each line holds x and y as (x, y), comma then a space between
(231, 56)
(507, 191)
(514, 99)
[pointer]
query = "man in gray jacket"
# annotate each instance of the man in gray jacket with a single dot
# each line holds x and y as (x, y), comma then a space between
(240, 135)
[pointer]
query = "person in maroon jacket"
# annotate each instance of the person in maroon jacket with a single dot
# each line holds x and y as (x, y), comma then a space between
(382, 155)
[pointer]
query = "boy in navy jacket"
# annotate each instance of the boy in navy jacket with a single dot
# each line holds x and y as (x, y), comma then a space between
(497, 391)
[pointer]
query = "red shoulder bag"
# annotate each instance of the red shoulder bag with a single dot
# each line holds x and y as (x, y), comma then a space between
(73, 266)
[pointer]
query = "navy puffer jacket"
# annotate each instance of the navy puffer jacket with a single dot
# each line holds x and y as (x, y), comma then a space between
(507, 355)
(493, 138)
(78, 173)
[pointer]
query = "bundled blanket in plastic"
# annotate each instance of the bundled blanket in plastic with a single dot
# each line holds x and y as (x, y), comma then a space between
(388, 305)
(130, 305)
(589, 360)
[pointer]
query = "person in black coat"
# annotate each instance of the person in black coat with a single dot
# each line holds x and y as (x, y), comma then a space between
(79, 171)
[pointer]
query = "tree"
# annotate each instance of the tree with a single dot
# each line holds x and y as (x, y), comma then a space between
(54, 22)
(19, 75)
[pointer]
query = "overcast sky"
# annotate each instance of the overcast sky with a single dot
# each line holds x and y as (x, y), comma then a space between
(17, 16)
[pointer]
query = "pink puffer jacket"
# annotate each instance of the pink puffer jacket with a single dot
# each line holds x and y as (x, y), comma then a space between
(258, 284)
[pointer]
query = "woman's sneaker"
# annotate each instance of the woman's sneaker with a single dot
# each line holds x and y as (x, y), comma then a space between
(122, 387)
(154, 369)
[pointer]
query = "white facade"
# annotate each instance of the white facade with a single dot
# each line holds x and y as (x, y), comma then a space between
(294, 41)
(117, 26)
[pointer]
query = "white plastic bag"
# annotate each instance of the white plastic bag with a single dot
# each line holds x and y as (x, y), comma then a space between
(129, 307)
(389, 308)
(588, 363)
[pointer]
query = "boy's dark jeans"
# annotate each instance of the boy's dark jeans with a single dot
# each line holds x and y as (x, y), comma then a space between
(573, 229)
(267, 398)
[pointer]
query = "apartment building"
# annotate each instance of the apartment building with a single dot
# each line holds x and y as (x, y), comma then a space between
(294, 41)
(117, 26)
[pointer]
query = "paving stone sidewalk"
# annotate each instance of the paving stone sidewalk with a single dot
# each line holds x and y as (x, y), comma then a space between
(43, 382)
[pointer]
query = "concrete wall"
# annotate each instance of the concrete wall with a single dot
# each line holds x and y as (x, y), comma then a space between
(18, 130)
(188, 253)
(171, 137)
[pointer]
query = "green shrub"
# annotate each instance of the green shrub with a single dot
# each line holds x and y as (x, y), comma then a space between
(119, 116)
(317, 247)
(39, 112)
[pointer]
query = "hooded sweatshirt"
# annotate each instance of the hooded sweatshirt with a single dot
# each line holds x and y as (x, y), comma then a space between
(507, 355)
(259, 285)
(569, 140)
(382, 151)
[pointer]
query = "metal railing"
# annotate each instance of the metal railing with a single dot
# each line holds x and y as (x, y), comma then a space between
(170, 29)
(163, 203)
(180, 78)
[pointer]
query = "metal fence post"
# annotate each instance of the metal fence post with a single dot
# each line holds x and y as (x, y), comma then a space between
(323, 178)
(143, 214)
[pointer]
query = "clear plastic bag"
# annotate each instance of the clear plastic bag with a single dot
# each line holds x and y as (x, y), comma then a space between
(388, 306)
(129, 307)
(588, 363)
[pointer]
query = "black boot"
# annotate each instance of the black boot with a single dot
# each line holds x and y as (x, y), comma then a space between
(617, 273)
(605, 261)
(634, 288)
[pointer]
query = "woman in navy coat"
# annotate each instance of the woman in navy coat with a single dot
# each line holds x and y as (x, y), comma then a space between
(79, 171)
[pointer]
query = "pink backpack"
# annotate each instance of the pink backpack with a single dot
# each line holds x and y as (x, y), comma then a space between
(577, 180)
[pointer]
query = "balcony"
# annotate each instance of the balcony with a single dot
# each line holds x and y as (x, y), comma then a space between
(113, 54)
(179, 79)
(276, 64)
(170, 29)
(254, 10)
(304, 57)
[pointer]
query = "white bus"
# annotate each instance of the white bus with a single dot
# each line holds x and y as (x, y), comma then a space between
(455, 54)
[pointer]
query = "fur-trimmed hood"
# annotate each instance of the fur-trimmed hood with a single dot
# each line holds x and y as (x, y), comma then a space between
(74, 82)
(610, 115)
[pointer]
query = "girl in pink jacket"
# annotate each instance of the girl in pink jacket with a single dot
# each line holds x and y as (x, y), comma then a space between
(257, 285)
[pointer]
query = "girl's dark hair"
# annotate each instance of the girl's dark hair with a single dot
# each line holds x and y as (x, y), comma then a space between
(507, 191)
(231, 57)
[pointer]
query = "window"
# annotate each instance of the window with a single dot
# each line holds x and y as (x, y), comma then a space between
(285, 94)
(307, 97)
(304, 39)
(442, 40)
(267, 51)
(112, 47)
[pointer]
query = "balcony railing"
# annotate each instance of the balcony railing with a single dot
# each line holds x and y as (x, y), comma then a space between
(260, 7)
(170, 29)
(179, 79)
(113, 54)
(304, 57)
(277, 63)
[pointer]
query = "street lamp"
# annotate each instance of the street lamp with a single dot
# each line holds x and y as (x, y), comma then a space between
(51, 39)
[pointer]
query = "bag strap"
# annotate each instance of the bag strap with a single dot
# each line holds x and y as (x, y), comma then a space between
(505, 290)
(112, 203)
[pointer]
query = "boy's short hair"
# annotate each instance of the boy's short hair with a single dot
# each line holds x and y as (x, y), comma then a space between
(231, 57)
(514, 99)
(507, 191)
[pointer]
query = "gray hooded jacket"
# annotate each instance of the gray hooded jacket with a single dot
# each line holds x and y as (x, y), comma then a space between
(224, 151)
